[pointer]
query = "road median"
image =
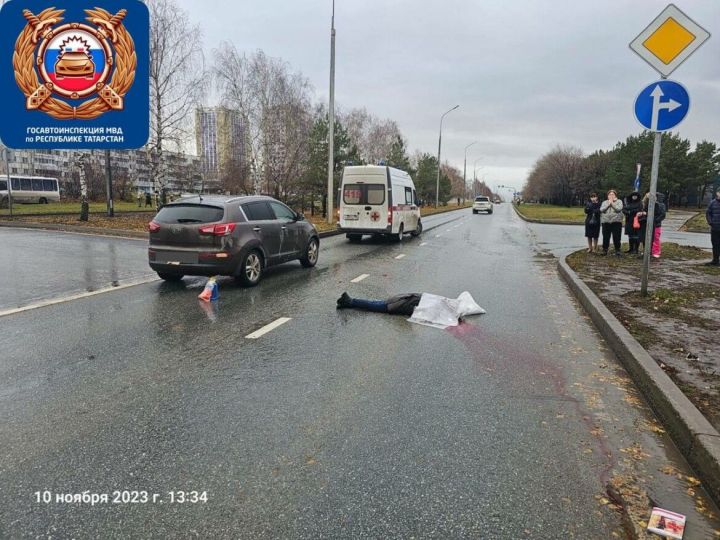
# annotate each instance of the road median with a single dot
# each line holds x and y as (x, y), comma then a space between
(694, 435)
(549, 214)
(133, 225)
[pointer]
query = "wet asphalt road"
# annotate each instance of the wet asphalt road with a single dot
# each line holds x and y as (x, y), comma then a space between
(334, 425)
(42, 265)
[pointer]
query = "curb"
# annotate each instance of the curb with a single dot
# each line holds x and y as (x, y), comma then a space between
(544, 221)
(693, 434)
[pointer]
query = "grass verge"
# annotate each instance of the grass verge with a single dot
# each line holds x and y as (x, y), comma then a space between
(66, 207)
(697, 223)
(676, 322)
(550, 212)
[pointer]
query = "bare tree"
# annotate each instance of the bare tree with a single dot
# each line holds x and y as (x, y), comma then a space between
(275, 105)
(558, 177)
(373, 137)
(177, 81)
(80, 164)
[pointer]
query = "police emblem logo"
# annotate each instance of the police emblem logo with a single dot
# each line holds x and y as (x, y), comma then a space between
(74, 70)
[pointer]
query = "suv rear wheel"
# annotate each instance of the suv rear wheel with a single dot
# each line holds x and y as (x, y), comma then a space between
(250, 269)
(399, 235)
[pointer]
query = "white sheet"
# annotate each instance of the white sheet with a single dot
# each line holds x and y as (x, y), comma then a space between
(441, 312)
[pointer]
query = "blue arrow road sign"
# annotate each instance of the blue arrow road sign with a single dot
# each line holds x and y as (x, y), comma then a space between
(662, 105)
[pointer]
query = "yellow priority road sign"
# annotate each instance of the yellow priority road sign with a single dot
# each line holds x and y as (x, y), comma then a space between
(669, 40)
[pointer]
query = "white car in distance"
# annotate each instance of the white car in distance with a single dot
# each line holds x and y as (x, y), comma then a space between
(482, 204)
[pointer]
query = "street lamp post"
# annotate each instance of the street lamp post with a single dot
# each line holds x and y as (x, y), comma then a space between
(465, 170)
(475, 175)
(331, 122)
(437, 183)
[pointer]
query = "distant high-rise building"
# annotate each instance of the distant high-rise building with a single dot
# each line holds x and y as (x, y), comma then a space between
(221, 140)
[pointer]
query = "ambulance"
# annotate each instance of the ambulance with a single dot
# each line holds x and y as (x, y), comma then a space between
(378, 200)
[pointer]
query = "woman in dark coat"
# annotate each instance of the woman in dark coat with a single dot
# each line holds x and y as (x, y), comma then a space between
(633, 205)
(592, 222)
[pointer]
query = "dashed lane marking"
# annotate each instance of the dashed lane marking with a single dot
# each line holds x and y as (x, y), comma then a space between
(360, 278)
(401, 256)
(268, 328)
(70, 298)
(423, 244)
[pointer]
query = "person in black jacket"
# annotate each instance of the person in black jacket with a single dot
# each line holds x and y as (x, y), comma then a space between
(633, 205)
(400, 304)
(592, 222)
(713, 218)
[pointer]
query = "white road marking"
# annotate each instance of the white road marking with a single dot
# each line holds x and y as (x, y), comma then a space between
(62, 300)
(268, 328)
(423, 244)
(359, 278)
(438, 235)
(448, 230)
(402, 255)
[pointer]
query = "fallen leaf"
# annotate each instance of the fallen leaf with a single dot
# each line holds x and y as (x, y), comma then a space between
(692, 480)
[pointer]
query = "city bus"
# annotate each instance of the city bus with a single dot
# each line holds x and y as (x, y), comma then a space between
(29, 189)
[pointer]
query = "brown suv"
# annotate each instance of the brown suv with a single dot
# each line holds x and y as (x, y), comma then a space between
(232, 236)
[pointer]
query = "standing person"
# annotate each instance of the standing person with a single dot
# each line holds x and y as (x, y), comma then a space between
(633, 205)
(713, 218)
(592, 222)
(139, 197)
(148, 199)
(611, 220)
(657, 222)
(658, 218)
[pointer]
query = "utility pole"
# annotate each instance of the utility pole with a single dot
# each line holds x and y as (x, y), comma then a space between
(331, 122)
(465, 171)
(437, 183)
(108, 185)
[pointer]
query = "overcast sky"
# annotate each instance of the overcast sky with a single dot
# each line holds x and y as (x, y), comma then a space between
(527, 74)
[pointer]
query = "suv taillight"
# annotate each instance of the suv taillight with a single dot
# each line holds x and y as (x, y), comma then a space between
(153, 227)
(221, 229)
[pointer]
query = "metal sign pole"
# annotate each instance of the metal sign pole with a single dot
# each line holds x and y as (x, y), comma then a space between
(9, 186)
(108, 185)
(649, 228)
